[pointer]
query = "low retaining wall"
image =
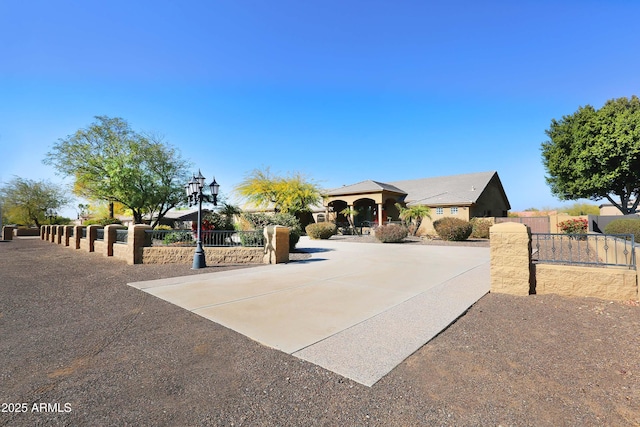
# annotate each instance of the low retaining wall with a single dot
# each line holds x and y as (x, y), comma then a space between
(213, 255)
(608, 283)
(137, 251)
(512, 271)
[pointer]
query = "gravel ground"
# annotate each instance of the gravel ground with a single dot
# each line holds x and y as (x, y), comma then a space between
(75, 337)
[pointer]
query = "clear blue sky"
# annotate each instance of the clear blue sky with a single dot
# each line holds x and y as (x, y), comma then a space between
(342, 91)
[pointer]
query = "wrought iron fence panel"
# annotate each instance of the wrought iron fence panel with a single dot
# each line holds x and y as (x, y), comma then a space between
(84, 233)
(219, 238)
(100, 234)
(588, 249)
(122, 236)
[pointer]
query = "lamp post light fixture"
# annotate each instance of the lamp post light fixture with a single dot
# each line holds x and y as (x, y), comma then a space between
(51, 214)
(196, 196)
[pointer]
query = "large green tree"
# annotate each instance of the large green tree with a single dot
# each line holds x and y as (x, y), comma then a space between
(26, 202)
(110, 161)
(595, 154)
(293, 194)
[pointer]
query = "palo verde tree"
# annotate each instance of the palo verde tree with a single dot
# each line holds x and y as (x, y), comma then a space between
(110, 161)
(595, 154)
(26, 201)
(294, 194)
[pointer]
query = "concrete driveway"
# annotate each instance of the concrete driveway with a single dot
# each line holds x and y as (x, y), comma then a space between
(357, 309)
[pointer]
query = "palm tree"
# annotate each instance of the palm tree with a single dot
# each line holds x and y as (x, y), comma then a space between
(413, 215)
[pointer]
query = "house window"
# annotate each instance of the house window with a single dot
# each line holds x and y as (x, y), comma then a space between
(454, 210)
(439, 211)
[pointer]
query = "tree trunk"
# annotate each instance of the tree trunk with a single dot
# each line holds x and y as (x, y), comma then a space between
(111, 215)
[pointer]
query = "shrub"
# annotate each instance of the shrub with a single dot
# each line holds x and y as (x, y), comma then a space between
(455, 229)
(574, 226)
(102, 221)
(219, 221)
(624, 226)
(177, 237)
(321, 230)
(391, 233)
(162, 227)
(258, 221)
(480, 228)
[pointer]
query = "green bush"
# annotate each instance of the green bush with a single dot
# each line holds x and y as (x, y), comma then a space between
(258, 221)
(178, 237)
(102, 221)
(624, 226)
(455, 229)
(321, 230)
(480, 228)
(391, 233)
(219, 221)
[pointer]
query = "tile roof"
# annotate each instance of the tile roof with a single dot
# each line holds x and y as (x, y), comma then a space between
(367, 186)
(442, 190)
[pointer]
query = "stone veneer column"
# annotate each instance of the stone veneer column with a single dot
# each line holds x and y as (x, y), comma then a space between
(511, 259)
(276, 244)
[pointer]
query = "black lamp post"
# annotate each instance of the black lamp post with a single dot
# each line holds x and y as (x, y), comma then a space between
(51, 215)
(196, 196)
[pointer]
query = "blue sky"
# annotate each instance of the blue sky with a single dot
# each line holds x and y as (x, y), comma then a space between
(342, 91)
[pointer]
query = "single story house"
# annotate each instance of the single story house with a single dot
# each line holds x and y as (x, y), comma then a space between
(462, 196)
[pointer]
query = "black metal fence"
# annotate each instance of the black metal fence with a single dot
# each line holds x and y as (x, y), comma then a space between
(122, 236)
(221, 238)
(586, 249)
(100, 234)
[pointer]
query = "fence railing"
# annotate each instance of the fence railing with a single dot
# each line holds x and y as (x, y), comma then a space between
(254, 238)
(587, 249)
(100, 234)
(83, 235)
(122, 236)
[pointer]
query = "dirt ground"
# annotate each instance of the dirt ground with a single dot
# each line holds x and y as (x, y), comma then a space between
(79, 347)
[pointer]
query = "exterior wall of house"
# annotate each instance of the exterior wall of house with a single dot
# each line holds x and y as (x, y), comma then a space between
(491, 202)
(426, 228)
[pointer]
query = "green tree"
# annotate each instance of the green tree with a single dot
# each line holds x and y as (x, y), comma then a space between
(26, 202)
(110, 161)
(293, 194)
(595, 154)
(578, 209)
(413, 215)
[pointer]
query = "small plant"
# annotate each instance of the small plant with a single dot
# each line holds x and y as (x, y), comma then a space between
(624, 226)
(454, 229)
(480, 228)
(574, 226)
(391, 233)
(321, 230)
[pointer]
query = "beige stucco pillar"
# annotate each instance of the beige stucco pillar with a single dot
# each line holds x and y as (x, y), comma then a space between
(77, 236)
(92, 233)
(276, 244)
(511, 259)
(136, 241)
(67, 231)
(380, 214)
(59, 233)
(110, 236)
(43, 231)
(7, 232)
